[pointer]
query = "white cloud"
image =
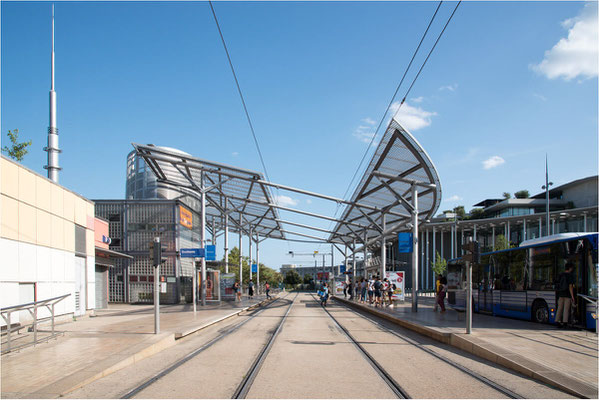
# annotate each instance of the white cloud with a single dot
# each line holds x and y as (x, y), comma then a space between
(364, 133)
(451, 88)
(234, 154)
(576, 55)
(455, 197)
(412, 118)
(283, 200)
(417, 99)
(369, 121)
(493, 162)
(540, 96)
(308, 201)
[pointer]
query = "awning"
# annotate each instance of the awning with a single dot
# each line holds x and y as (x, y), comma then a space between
(108, 257)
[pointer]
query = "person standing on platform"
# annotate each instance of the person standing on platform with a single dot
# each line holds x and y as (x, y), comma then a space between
(345, 285)
(370, 290)
(378, 289)
(251, 289)
(565, 295)
(442, 292)
(363, 290)
(237, 291)
(437, 286)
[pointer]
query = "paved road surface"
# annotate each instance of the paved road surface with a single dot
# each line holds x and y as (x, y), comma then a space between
(312, 358)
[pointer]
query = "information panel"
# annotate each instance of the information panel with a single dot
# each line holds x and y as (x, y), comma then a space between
(210, 252)
(404, 242)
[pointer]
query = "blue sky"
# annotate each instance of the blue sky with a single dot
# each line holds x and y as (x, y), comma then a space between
(508, 83)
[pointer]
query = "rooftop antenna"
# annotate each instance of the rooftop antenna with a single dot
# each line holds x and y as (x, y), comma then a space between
(52, 147)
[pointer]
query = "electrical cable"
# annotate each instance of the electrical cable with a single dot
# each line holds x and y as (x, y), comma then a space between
(391, 102)
(247, 114)
(427, 57)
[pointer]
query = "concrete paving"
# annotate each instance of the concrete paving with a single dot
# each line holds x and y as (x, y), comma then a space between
(564, 359)
(93, 347)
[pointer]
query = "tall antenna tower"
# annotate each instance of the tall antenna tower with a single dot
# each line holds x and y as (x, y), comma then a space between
(52, 147)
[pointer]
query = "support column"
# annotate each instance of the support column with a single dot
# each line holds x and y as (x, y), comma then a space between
(540, 227)
(250, 249)
(474, 232)
(240, 253)
(213, 232)
(493, 239)
(415, 249)
(552, 226)
(383, 249)
(524, 229)
(345, 257)
(462, 243)
(258, 264)
(365, 252)
(426, 259)
(353, 279)
(442, 252)
(452, 236)
(434, 250)
(203, 242)
(507, 236)
(226, 243)
(584, 222)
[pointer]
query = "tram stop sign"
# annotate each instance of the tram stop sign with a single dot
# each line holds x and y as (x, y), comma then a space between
(473, 252)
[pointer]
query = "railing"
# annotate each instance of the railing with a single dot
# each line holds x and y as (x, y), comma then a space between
(32, 308)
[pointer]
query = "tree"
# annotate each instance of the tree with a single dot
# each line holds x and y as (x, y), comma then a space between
(292, 277)
(501, 243)
(17, 150)
(460, 212)
(507, 195)
(307, 279)
(266, 274)
(476, 213)
(439, 264)
(522, 194)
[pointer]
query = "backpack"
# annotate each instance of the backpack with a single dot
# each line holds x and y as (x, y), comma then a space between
(562, 284)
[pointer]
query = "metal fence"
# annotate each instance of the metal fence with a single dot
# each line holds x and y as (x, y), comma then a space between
(7, 336)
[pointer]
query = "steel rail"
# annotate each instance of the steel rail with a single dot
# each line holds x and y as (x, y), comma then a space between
(393, 385)
(245, 385)
(462, 368)
(195, 352)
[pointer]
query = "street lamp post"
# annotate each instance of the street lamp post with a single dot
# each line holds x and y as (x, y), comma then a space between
(546, 188)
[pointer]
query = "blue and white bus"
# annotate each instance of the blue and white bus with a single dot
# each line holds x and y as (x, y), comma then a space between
(520, 282)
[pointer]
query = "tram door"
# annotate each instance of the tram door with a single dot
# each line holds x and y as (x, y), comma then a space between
(485, 289)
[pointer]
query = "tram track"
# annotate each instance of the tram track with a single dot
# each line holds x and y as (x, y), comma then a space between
(395, 387)
(496, 386)
(172, 367)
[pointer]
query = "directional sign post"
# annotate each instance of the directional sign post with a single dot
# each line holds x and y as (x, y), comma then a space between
(191, 253)
(210, 252)
(472, 256)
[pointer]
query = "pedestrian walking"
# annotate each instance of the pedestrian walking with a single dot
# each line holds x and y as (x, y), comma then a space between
(251, 289)
(267, 288)
(362, 290)
(237, 291)
(370, 290)
(324, 295)
(565, 295)
(437, 286)
(350, 291)
(442, 293)
(378, 288)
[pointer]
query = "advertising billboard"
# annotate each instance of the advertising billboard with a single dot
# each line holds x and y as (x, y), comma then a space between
(397, 278)
(185, 217)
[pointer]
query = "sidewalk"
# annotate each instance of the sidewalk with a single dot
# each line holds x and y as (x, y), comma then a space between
(563, 358)
(93, 347)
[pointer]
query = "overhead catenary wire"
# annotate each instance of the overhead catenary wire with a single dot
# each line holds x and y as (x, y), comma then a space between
(427, 57)
(247, 114)
(390, 103)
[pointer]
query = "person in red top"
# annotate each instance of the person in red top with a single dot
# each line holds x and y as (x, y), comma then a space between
(267, 287)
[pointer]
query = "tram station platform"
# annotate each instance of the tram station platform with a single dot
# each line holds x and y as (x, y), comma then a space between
(95, 346)
(566, 359)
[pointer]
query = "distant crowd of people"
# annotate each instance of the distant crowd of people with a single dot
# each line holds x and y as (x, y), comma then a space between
(372, 291)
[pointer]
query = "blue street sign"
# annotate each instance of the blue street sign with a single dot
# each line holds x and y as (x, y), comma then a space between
(342, 268)
(191, 253)
(210, 252)
(254, 268)
(404, 242)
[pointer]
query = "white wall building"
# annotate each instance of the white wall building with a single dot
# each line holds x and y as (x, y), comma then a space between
(46, 243)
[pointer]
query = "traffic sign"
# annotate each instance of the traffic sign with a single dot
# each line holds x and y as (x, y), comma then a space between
(191, 253)
(342, 268)
(473, 249)
(210, 252)
(254, 268)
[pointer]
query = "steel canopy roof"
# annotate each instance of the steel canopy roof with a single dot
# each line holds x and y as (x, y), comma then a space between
(229, 190)
(398, 163)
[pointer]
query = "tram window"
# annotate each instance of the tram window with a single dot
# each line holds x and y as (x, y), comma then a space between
(542, 269)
